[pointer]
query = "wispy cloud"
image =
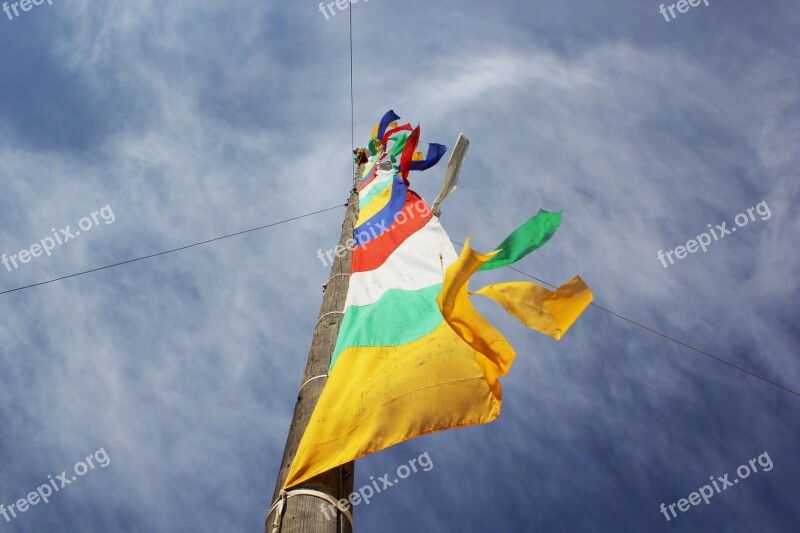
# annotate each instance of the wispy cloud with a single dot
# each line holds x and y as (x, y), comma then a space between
(195, 120)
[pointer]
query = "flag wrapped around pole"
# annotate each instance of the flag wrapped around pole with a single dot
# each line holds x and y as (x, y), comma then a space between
(413, 356)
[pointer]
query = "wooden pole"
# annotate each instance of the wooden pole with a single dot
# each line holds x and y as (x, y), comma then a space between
(302, 513)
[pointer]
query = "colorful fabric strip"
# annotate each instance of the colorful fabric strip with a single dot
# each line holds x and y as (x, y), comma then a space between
(435, 153)
(380, 222)
(414, 216)
(389, 117)
(530, 236)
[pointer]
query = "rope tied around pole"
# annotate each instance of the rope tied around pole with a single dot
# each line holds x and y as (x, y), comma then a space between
(280, 505)
(299, 392)
(325, 285)
(330, 313)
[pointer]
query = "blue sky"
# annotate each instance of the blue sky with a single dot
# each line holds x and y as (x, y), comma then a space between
(196, 119)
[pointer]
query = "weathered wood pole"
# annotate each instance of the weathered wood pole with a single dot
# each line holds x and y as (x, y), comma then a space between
(303, 513)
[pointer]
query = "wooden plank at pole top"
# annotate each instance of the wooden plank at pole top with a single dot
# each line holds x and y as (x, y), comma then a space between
(302, 513)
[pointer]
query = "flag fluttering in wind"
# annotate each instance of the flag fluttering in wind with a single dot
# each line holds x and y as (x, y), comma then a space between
(413, 356)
